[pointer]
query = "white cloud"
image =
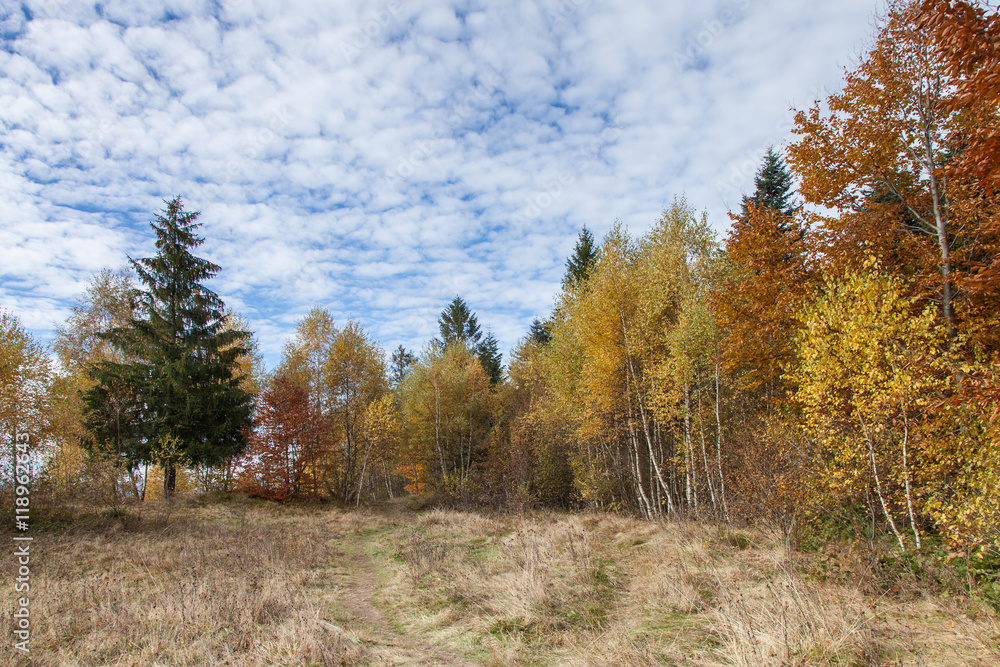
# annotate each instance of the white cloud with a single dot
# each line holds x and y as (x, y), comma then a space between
(377, 158)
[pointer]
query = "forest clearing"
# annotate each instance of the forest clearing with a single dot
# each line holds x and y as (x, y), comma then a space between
(767, 441)
(233, 581)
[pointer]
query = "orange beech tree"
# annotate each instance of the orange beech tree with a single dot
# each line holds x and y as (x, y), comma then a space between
(968, 41)
(881, 145)
(767, 278)
(282, 443)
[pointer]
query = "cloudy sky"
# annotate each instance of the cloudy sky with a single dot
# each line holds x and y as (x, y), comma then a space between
(379, 158)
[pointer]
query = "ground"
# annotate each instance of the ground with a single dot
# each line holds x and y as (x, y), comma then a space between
(234, 581)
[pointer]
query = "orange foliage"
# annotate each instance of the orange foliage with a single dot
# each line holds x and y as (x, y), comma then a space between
(969, 42)
(756, 302)
(281, 446)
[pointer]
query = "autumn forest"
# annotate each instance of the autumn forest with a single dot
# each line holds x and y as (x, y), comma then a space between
(828, 368)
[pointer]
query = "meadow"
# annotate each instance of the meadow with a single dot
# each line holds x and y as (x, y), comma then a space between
(209, 580)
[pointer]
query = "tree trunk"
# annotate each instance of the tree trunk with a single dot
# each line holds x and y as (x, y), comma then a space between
(718, 445)
(169, 479)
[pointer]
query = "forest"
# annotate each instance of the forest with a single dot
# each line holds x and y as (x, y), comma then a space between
(829, 365)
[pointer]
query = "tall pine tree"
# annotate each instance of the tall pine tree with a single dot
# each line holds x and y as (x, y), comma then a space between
(583, 260)
(458, 324)
(402, 359)
(185, 402)
(491, 359)
(540, 332)
(773, 186)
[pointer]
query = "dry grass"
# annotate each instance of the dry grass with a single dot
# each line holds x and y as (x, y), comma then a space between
(249, 583)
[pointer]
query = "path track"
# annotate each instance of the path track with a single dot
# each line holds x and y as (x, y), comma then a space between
(355, 580)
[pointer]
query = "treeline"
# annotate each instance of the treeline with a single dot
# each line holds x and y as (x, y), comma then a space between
(807, 365)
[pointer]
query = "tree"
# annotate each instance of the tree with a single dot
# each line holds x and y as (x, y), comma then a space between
(282, 443)
(358, 377)
(304, 360)
(345, 372)
(757, 298)
(887, 132)
(250, 362)
(616, 370)
(446, 406)
(458, 324)
(583, 260)
(490, 358)
(402, 359)
(81, 344)
(967, 39)
(108, 303)
(24, 380)
(304, 356)
(773, 184)
(869, 370)
(540, 332)
(183, 387)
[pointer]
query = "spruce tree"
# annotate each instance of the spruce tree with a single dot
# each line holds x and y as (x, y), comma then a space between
(773, 186)
(185, 402)
(491, 359)
(540, 332)
(458, 324)
(402, 359)
(583, 260)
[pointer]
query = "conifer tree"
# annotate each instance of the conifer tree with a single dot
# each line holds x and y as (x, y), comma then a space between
(773, 184)
(402, 359)
(583, 260)
(458, 324)
(490, 357)
(540, 332)
(181, 384)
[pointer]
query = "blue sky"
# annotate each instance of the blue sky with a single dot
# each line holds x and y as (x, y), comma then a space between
(379, 158)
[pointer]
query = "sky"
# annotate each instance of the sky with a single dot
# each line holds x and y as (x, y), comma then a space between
(378, 159)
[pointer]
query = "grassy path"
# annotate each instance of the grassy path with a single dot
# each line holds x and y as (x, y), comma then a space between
(247, 583)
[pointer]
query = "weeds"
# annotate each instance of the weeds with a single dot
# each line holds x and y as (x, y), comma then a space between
(242, 582)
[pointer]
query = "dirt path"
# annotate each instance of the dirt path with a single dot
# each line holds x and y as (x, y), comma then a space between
(356, 583)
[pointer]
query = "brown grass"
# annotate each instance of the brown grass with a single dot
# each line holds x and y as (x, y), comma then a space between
(251, 583)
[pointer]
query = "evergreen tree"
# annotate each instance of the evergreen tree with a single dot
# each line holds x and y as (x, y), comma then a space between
(490, 357)
(540, 332)
(458, 324)
(583, 260)
(773, 184)
(182, 385)
(402, 359)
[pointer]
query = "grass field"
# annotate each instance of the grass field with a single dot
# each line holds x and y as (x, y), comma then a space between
(240, 582)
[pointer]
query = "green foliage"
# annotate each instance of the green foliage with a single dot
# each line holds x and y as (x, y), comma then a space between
(459, 325)
(583, 260)
(402, 359)
(491, 359)
(178, 374)
(540, 332)
(773, 186)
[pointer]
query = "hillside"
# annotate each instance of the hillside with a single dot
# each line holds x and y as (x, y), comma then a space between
(240, 582)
